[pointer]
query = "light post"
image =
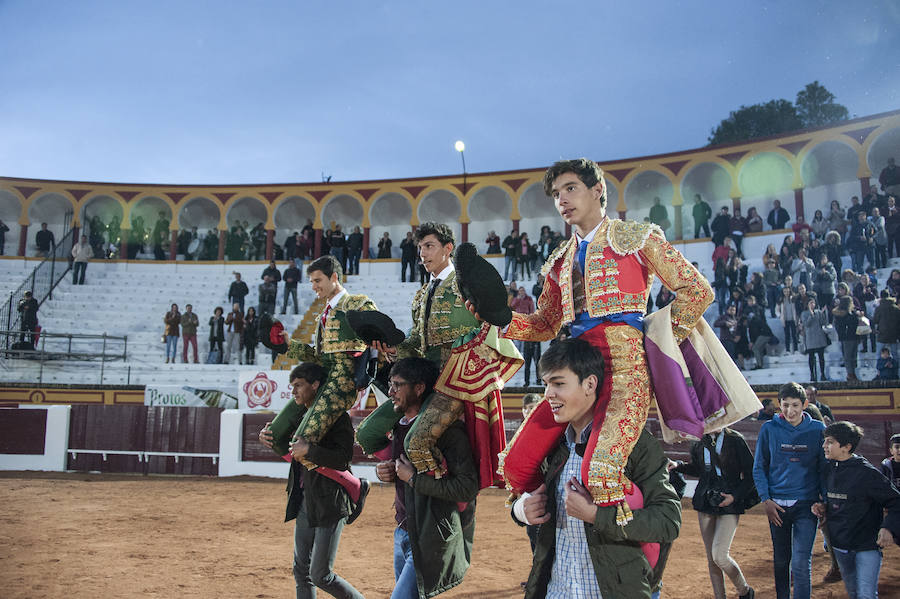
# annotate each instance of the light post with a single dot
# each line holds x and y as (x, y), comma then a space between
(461, 148)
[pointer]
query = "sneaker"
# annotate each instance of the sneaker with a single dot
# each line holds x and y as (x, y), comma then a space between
(358, 507)
(750, 594)
(833, 575)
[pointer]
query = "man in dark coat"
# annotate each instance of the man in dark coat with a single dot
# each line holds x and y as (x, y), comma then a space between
(290, 277)
(237, 291)
(778, 216)
(408, 251)
(44, 241)
(721, 226)
(435, 516)
(28, 306)
(354, 251)
(701, 213)
(319, 505)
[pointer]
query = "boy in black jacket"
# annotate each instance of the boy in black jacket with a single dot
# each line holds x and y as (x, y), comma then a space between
(319, 504)
(857, 495)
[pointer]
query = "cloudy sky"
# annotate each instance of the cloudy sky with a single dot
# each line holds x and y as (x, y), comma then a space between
(283, 91)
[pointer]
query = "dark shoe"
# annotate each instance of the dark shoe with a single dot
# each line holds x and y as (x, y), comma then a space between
(358, 507)
(833, 575)
(750, 594)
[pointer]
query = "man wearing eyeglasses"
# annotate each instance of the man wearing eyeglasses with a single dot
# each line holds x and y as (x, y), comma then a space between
(435, 516)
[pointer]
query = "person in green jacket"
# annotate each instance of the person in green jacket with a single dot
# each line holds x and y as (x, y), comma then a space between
(701, 213)
(435, 516)
(590, 555)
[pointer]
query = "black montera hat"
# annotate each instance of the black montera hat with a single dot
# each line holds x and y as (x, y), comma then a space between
(265, 328)
(372, 325)
(480, 283)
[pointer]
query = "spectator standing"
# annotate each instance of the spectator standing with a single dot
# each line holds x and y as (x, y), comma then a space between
(729, 333)
(408, 255)
(538, 286)
(890, 466)
(861, 510)
(28, 307)
(814, 337)
(493, 243)
(787, 470)
(524, 256)
(216, 333)
(889, 179)
(4, 229)
(512, 249)
(893, 283)
(886, 322)
(384, 246)
(701, 213)
(338, 245)
(274, 275)
(886, 366)
(778, 216)
(759, 330)
(864, 295)
(854, 209)
(291, 278)
(234, 330)
(860, 241)
(251, 335)
(723, 465)
(823, 280)
(802, 268)
(879, 237)
(720, 285)
(837, 220)
(738, 227)
(819, 225)
(812, 397)
(845, 323)
(659, 215)
(772, 280)
(754, 221)
(798, 227)
(172, 319)
(81, 254)
(189, 324)
(160, 236)
(258, 241)
(237, 291)
(721, 226)
(790, 317)
(268, 294)
(722, 250)
(354, 251)
(892, 226)
(290, 247)
(44, 241)
(834, 249)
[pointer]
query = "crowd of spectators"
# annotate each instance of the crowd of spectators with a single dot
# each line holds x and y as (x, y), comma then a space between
(821, 283)
(523, 258)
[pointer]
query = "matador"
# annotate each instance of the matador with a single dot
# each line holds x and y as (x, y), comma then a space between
(598, 283)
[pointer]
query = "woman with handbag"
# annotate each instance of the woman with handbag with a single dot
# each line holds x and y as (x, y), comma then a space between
(724, 466)
(815, 339)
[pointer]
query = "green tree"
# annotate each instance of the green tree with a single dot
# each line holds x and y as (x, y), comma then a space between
(758, 120)
(816, 106)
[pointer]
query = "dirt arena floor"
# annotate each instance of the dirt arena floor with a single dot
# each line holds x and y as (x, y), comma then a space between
(89, 536)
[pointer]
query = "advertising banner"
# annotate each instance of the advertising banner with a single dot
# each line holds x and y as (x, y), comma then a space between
(183, 396)
(263, 390)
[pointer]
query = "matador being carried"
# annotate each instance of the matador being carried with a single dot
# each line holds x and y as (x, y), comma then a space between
(598, 283)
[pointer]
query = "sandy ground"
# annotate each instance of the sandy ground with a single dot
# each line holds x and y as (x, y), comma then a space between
(89, 536)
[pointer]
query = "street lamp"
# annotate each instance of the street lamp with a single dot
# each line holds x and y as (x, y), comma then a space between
(461, 148)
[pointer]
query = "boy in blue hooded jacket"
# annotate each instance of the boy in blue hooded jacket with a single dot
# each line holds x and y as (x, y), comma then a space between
(788, 472)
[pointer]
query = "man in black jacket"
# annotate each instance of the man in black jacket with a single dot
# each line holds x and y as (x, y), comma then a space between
(238, 291)
(408, 251)
(44, 241)
(28, 306)
(778, 216)
(721, 226)
(290, 277)
(354, 251)
(319, 505)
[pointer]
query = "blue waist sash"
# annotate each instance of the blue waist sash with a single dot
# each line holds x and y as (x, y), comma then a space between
(584, 322)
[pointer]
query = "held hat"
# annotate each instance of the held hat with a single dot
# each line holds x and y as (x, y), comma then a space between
(268, 326)
(480, 283)
(372, 325)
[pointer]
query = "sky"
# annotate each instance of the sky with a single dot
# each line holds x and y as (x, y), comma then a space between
(227, 91)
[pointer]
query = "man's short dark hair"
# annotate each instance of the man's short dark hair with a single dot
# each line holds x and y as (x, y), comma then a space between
(792, 390)
(443, 232)
(845, 433)
(585, 169)
(577, 355)
(530, 398)
(309, 372)
(895, 438)
(327, 265)
(415, 371)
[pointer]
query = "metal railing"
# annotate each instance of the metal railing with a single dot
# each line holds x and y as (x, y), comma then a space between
(41, 283)
(66, 346)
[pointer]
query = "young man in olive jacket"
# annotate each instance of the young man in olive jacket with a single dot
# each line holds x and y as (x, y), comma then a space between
(589, 555)
(435, 516)
(319, 504)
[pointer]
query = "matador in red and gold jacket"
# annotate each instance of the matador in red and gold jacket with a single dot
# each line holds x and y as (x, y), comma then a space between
(599, 287)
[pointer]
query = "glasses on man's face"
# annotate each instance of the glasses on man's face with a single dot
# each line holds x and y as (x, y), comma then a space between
(394, 385)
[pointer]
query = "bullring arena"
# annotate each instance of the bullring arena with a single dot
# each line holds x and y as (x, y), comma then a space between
(115, 485)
